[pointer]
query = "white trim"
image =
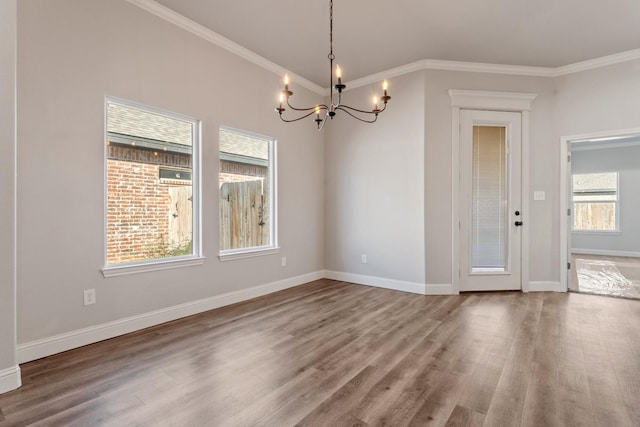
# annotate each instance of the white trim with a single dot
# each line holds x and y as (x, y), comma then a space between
(564, 190)
(47, 346)
(605, 252)
(605, 144)
(601, 233)
(545, 287)
(122, 270)
(10, 379)
(203, 32)
(246, 253)
(378, 282)
(440, 289)
(434, 64)
(455, 199)
(498, 101)
(603, 61)
(524, 182)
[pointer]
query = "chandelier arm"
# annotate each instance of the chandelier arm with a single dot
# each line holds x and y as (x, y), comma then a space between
(356, 117)
(320, 106)
(295, 120)
(346, 107)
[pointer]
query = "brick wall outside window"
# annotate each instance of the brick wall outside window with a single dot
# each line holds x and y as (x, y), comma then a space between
(139, 211)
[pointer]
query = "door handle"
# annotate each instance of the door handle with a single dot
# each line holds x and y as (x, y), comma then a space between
(518, 223)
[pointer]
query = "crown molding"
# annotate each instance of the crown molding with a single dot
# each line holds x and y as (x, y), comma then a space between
(603, 61)
(434, 64)
(482, 100)
(175, 18)
(201, 31)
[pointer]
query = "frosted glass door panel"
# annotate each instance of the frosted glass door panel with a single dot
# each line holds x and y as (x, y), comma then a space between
(489, 222)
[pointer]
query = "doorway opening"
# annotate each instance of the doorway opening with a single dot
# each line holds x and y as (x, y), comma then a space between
(600, 198)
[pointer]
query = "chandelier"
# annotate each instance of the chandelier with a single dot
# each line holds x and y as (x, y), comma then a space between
(323, 111)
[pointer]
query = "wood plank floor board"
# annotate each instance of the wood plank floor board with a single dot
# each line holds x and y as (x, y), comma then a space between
(334, 353)
(440, 403)
(465, 417)
(574, 404)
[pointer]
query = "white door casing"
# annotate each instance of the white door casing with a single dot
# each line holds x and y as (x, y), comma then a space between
(491, 101)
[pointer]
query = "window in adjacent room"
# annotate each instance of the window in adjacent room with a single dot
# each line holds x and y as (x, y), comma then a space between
(151, 185)
(247, 194)
(595, 202)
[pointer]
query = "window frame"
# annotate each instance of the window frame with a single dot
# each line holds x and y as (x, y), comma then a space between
(616, 202)
(272, 247)
(196, 258)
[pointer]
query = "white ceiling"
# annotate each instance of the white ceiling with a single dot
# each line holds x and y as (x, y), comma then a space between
(372, 36)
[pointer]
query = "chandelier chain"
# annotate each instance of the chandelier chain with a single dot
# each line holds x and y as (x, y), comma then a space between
(331, 55)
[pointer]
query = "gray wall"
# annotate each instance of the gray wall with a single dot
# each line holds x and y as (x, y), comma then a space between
(625, 161)
(598, 100)
(8, 358)
(71, 54)
(375, 186)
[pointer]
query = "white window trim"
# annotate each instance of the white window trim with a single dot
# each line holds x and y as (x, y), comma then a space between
(166, 263)
(616, 201)
(234, 254)
(153, 265)
(272, 247)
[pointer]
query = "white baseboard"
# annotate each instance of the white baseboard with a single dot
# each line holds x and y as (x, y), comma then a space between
(441, 289)
(605, 252)
(46, 347)
(10, 379)
(378, 282)
(545, 287)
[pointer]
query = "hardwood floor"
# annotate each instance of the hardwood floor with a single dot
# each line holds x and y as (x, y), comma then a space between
(331, 354)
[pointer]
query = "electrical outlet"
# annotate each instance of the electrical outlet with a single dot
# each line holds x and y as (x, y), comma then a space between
(284, 261)
(89, 296)
(364, 259)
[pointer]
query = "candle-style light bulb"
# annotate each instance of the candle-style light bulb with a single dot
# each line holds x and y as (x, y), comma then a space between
(375, 102)
(385, 86)
(281, 99)
(317, 111)
(339, 74)
(286, 82)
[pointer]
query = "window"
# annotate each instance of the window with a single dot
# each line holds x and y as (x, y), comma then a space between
(490, 200)
(151, 185)
(595, 202)
(247, 194)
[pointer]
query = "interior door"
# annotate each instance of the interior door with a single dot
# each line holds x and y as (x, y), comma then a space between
(490, 200)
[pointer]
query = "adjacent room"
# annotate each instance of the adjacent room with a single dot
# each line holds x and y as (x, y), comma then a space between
(605, 236)
(340, 212)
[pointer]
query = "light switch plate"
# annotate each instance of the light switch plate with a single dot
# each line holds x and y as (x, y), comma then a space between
(539, 195)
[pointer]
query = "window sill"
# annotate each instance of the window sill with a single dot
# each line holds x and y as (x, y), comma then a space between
(597, 232)
(121, 270)
(247, 253)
